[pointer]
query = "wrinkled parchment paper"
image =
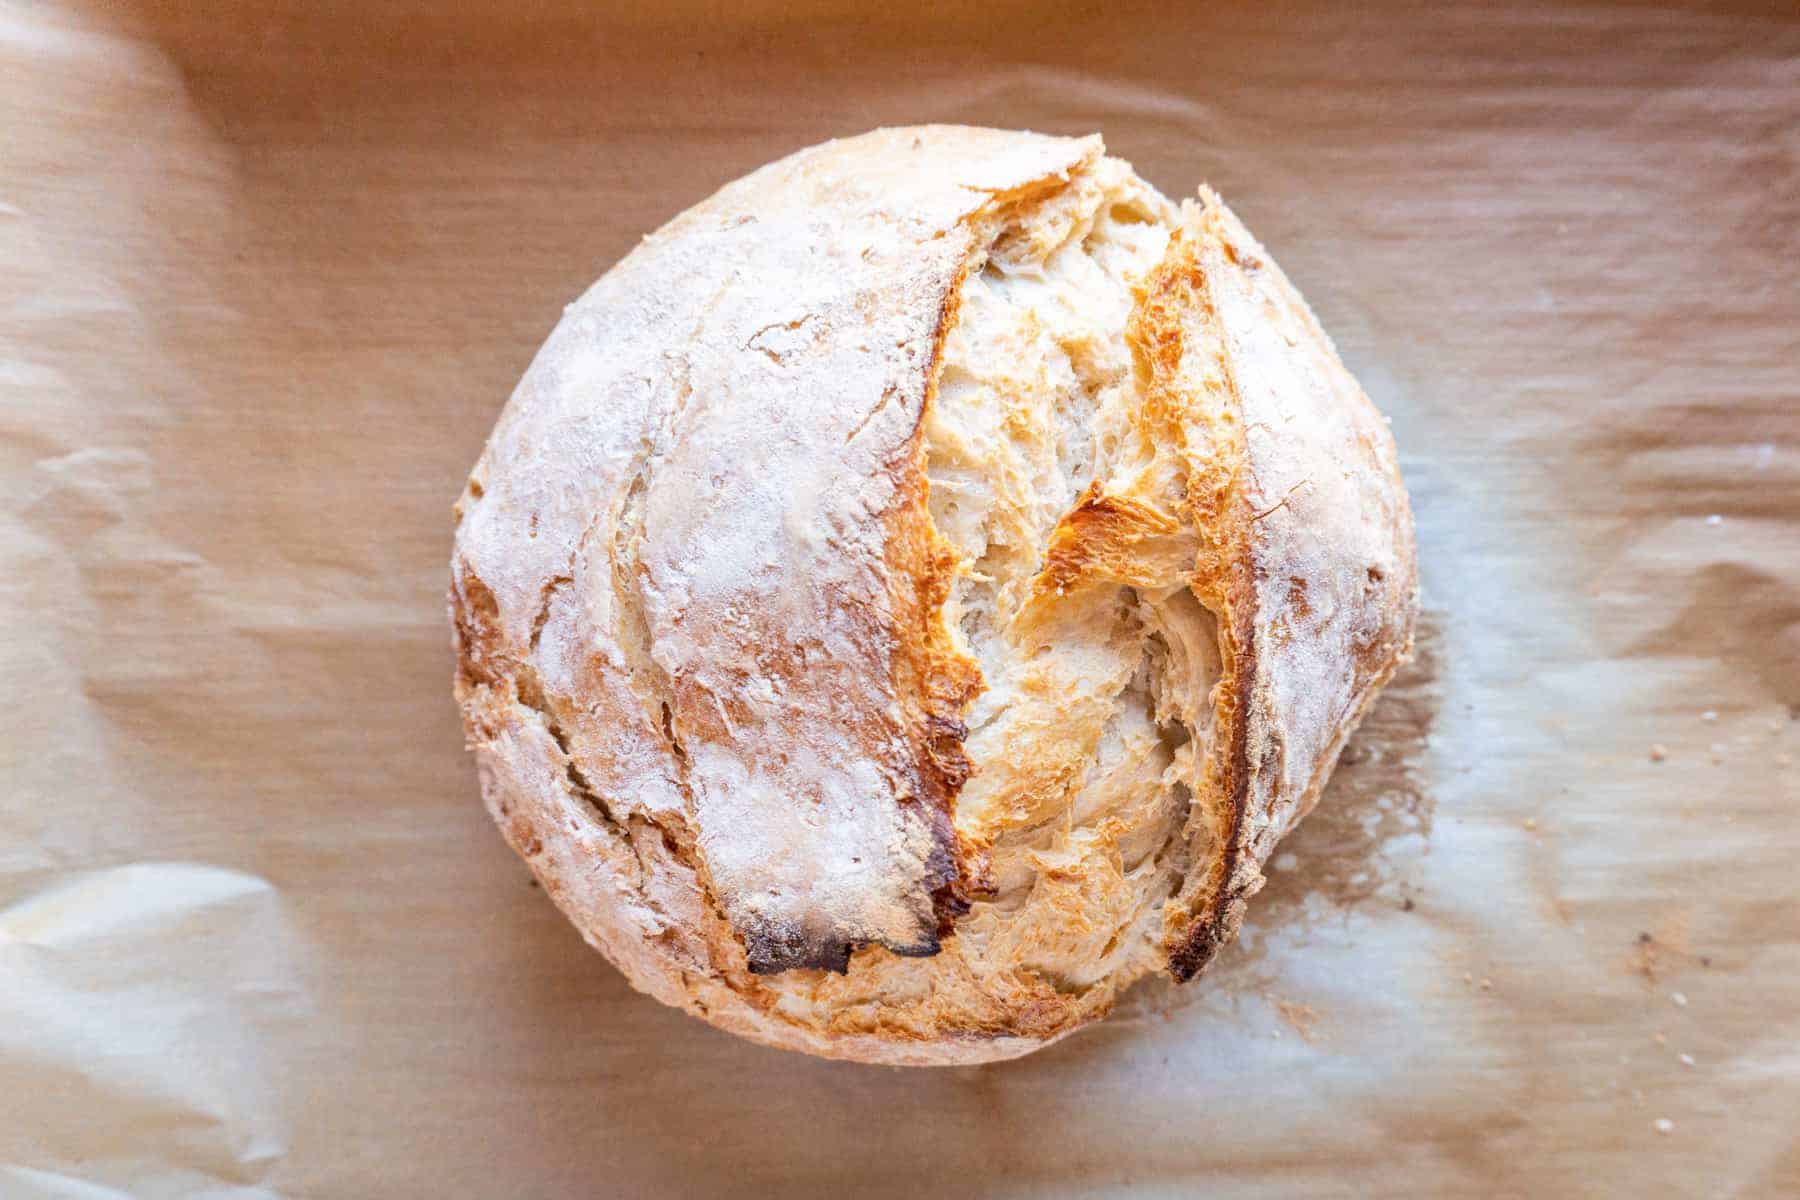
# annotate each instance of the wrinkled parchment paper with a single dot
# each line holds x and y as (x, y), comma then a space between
(267, 274)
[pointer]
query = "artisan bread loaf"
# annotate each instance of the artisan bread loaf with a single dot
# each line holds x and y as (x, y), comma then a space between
(907, 598)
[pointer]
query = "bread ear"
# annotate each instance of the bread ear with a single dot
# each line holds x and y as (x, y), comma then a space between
(1311, 573)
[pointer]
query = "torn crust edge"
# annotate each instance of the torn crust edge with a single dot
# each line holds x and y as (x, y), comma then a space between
(1241, 806)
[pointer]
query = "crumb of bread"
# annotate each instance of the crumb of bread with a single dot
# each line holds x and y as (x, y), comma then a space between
(1303, 1017)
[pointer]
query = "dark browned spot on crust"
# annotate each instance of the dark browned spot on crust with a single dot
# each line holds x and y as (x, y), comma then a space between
(773, 947)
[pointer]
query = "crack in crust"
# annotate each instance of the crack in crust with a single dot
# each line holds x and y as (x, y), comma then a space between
(531, 697)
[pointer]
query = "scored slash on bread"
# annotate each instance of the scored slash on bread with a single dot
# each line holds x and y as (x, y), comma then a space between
(907, 597)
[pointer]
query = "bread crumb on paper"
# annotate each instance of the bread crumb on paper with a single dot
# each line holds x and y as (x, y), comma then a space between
(1664, 948)
(1658, 752)
(1303, 1018)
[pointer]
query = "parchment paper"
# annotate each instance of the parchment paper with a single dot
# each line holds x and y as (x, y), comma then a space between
(267, 274)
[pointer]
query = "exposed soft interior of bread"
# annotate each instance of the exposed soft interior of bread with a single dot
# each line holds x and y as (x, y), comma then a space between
(1084, 740)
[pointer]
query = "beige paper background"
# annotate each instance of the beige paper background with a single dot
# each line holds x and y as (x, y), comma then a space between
(267, 274)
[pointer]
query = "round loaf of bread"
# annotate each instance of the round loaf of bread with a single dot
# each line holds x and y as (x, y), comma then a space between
(908, 597)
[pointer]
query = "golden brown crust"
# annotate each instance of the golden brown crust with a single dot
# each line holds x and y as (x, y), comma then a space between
(704, 613)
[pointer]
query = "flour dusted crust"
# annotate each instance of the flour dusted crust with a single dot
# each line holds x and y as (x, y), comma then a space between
(908, 596)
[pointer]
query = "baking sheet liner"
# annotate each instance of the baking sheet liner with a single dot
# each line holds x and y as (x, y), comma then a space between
(267, 274)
